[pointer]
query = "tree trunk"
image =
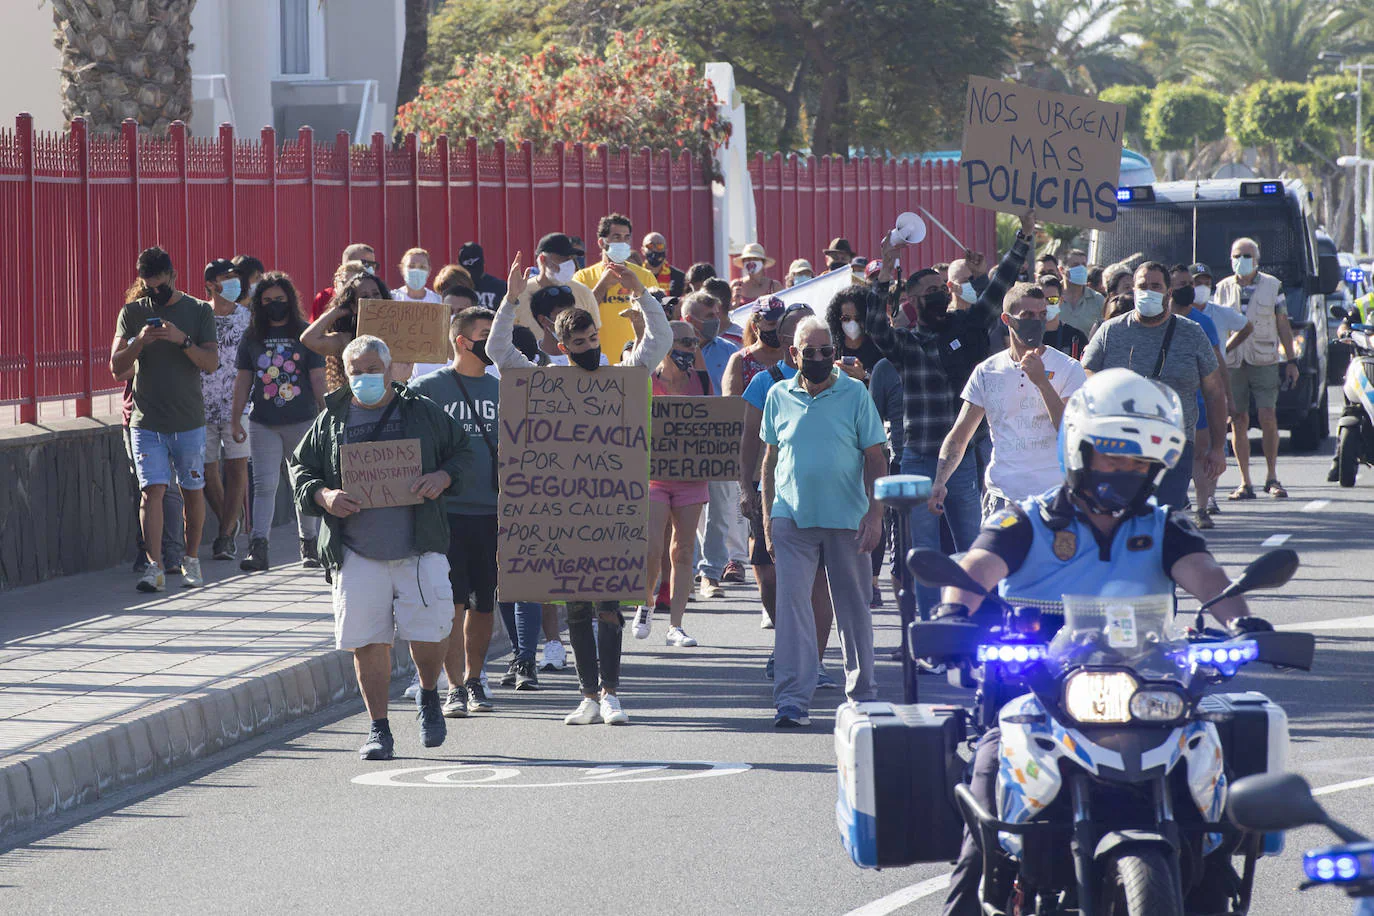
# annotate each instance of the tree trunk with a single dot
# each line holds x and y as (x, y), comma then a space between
(830, 135)
(414, 51)
(791, 110)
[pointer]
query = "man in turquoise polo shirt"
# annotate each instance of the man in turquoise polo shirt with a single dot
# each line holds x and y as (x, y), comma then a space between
(824, 448)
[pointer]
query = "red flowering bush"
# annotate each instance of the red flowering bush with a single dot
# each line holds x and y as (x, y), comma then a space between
(641, 92)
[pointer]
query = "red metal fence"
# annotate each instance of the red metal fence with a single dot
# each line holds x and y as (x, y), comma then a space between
(803, 203)
(76, 208)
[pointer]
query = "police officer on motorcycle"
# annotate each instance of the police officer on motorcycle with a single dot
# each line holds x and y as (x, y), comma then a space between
(1096, 532)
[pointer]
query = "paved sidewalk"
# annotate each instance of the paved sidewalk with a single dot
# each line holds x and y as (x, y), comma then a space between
(102, 686)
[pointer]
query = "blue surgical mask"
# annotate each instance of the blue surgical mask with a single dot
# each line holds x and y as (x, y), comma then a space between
(1243, 266)
(416, 277)
(369, 388)
(1078, 275)
(619, 252)
(1149, 303)
(230, 289)
(967, 292)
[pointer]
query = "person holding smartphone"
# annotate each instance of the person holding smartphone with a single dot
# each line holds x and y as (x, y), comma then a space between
(614, 234)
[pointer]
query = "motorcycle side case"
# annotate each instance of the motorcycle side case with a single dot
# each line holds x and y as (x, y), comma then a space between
(1254, 739)
(897, 768)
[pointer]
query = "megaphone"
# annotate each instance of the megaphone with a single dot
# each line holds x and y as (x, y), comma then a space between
(910, 230)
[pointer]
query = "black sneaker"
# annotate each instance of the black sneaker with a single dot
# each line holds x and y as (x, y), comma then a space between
(256, 561)
(526, 677)
(477, 697)
(456, 705)
(380, 745)
(511, 676)
(310, 553)
(433, 728)
(223, 548)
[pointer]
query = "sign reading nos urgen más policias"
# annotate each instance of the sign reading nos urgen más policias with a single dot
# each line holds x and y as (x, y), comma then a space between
(573, 510)
(1031, 149)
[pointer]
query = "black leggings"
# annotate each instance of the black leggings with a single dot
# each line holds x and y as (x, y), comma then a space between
(587, 646)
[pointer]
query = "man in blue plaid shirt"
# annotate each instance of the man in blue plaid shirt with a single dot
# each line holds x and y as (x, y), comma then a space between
(935, 358)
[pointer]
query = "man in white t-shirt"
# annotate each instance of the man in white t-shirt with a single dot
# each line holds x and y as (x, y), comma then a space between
(415, 268)
(1021, 391)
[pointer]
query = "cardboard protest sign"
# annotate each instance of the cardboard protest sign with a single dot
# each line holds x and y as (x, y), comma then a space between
(573, 510)
(1024, 148)
(379, 474)
(416, 332)
(696, 438)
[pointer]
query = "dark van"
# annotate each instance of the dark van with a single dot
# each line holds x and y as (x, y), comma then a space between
(1184, 222)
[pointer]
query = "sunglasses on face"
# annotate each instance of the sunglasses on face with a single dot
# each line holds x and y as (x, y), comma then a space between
(1052, 300)
(685, 343)
(372, 264)
(818, 352)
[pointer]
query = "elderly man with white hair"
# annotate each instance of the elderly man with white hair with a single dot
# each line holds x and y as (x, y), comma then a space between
(824, 449)
(388, 564)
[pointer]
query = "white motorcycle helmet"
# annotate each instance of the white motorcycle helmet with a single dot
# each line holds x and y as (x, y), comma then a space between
(1118, 412)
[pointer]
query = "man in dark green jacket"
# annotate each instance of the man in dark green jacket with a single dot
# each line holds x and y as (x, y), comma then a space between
(388, 564)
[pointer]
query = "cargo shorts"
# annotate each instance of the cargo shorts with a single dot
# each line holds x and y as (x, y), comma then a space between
(1260, 381)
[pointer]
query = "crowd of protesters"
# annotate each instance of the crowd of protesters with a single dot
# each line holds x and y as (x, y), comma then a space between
(957, 371)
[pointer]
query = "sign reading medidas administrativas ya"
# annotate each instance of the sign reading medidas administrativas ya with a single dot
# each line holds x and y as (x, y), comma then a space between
(1028, 148)
(573, 511)
(696, 438)
(380, 474)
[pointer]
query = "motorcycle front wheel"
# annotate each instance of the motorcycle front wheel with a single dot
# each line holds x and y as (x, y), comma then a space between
(1140, 882)
(1348, 455)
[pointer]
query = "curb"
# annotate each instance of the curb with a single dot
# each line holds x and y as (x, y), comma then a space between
(123, 751)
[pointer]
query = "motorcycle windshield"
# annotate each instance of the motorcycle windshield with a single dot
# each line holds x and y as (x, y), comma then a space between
(1136, 632)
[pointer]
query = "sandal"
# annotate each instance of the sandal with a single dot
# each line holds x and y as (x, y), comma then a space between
(1244, 491)
(1275, 489)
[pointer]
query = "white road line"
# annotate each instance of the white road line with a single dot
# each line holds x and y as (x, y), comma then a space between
(1343, 786)
(1316, 505)
(1339, 623)
(898, 899)
(1275, 540)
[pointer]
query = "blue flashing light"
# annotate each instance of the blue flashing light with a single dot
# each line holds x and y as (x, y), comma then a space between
(1137, 195)
(1261, 189)
(1354, 275)
(1013, 653)
(1123, 194)
(1340, 864)
(1226, 657)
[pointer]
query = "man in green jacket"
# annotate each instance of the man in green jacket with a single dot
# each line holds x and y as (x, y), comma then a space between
(388, 565)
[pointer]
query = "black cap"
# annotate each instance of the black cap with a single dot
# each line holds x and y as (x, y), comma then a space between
(1199, 269)
(218, 268)
(471, 253)
(556, 243)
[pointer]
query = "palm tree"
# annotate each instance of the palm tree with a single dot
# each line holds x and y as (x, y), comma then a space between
(1245, 41)
(125, 60)
(1158, 29)
(1051, 45)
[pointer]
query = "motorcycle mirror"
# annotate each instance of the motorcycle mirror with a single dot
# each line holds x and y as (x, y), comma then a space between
(1280, 801)
(1338, 312)
(934, 569)
(1269, 570)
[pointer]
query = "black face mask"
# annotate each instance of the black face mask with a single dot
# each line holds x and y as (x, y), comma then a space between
(479, 350)
(277, 311)
(655, 258)
(160, 294)
(935, 306)
(1183, 296)
(1114, 492)
(816, 371)
(587, 359)
(684, 359)
(770, 339)
(1030, 331)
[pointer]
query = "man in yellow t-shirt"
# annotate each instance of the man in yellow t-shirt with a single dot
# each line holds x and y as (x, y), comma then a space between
(613, 235)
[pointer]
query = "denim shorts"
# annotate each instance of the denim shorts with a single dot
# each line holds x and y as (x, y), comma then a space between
(156, 454)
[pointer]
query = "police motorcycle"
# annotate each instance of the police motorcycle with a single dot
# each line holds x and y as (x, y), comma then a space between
(1283, 801)
(1355, 438)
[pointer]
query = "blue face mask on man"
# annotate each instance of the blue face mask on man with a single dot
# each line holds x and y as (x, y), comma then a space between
(1078, 275)
(368, 387)
(230, 289)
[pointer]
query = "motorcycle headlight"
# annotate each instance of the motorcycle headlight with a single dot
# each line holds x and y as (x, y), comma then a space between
(1099, 696)
(1157, 705)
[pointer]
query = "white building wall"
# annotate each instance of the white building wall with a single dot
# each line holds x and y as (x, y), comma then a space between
(29, 65)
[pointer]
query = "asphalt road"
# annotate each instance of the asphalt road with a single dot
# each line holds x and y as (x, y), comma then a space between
(699, 806)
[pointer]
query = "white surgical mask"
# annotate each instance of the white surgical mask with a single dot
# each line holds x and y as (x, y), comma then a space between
(1243, 265)
(798, 279)
(563, 273)
(1149, 303)
(1202, 295)
(619, 252)
(416, 277)
(851, 329)
(753, 267)
(1051, 312)
(967, 292)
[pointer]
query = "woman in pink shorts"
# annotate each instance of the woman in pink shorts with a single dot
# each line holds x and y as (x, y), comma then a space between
(675, 505)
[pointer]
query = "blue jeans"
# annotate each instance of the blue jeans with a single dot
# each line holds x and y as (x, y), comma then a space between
(1172, 489)
(523, 620)
(962, 509)
(157, 454)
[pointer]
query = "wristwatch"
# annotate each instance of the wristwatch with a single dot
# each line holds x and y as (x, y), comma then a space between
(186, 342)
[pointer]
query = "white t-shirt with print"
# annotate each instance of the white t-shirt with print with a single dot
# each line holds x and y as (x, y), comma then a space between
(1025, 442)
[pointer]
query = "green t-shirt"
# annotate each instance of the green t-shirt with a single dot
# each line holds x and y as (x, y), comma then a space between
(167, 395)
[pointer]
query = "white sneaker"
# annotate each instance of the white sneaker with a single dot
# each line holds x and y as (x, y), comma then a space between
(413, 690)
(611, 713)
(588, 712)
(709, 589)
(644, 621)
(555, 656)
(678, 637)
(765, 622)
(190, 573)
(152, 580)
